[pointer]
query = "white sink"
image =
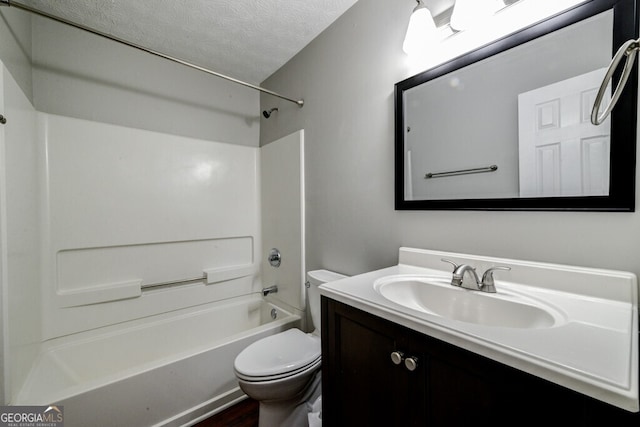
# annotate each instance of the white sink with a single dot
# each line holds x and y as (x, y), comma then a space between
(436, 295)
(574, 326)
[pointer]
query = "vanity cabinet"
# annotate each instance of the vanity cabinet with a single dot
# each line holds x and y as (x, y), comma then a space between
(449, 386)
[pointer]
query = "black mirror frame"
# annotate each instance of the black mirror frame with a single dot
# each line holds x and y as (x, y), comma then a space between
(621, 196)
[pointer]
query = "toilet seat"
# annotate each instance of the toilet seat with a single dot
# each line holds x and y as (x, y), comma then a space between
(273, 379)
(279, 356)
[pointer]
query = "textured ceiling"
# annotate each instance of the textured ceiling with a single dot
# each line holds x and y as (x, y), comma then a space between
(248, 40)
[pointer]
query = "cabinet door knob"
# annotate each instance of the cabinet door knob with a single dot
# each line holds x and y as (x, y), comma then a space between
(411, 363)
(397, 357)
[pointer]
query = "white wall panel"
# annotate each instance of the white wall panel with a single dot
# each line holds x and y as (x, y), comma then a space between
(128, 208)
(282, 179)
(20, 234)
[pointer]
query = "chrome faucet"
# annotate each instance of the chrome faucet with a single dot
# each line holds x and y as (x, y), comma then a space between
(459, 275)
(487, 284)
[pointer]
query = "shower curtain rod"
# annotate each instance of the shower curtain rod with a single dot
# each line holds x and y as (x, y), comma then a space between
(11, 3)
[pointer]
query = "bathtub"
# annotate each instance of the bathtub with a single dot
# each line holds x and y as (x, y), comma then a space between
(167, 370)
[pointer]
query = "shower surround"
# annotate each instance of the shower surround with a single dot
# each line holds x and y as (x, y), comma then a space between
(94, 216)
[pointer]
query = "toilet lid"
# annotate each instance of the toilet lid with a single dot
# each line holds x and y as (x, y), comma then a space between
(277, 354)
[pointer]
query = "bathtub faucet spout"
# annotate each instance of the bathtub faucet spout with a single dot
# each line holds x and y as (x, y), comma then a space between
(270, 290)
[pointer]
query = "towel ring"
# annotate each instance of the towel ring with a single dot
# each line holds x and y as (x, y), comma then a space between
(630, 50)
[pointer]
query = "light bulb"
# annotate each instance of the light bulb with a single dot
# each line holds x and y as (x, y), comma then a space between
(467, 13)
(420, 32)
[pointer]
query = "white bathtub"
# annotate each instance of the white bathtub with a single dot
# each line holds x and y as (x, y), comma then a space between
(168, 370)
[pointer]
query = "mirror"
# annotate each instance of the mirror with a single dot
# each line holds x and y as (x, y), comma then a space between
(506, 127)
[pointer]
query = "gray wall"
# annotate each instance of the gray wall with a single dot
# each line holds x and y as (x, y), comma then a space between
(346, 77)
(81, 75)
(15, 46)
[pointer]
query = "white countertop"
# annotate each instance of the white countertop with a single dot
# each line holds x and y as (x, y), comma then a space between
(594, 350)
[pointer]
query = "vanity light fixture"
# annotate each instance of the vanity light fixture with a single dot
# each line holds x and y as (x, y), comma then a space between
(465, 25)
(467, 13)
(421, 30)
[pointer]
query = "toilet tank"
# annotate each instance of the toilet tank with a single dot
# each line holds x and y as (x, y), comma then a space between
(316, 278)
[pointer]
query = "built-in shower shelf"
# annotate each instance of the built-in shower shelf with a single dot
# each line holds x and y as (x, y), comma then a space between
(94, 275)
(217, 275)
(134, 288)
(101, 293)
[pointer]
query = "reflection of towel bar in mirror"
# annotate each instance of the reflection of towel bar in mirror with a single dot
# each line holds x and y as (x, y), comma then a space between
(491, 168)
(630, 50)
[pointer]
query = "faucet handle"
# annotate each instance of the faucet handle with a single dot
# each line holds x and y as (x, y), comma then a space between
(488, 284)
(455, 266)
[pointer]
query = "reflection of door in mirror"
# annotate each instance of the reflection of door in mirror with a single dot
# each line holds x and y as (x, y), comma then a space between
(560, 152)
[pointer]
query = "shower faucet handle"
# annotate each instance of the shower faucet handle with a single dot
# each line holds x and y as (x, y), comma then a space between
(274, 258)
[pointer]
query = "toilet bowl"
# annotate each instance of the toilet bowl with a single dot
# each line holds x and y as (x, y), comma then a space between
(282, 371)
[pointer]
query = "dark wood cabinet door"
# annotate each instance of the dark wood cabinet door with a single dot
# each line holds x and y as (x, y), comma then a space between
(367, 388)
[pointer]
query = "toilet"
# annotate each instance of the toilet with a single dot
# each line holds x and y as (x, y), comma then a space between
(282, 371)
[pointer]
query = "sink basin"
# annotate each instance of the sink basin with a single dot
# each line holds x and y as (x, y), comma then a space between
(436, 295)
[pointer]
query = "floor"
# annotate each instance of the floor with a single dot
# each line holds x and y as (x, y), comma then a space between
(243, 414)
